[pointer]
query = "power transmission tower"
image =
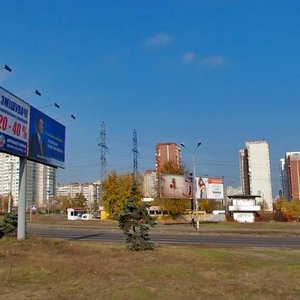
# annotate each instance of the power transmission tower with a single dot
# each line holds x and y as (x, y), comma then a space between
(104, 150)
(135, 153)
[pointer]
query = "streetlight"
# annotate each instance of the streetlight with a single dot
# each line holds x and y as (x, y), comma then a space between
(38, 93)
(6, 67)
(195, 202)
(52, 104)
(64, 118)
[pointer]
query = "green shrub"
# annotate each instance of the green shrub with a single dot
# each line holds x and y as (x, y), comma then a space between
(9, 224)
(135, 222)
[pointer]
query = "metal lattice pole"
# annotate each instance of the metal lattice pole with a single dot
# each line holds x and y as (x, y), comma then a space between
(104, 150)
(135, 153)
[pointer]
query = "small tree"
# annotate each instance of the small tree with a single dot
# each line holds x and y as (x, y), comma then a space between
(79, 200)
(171, 167)
(175, 207)
(135, 222)
(290, 210)
(64, 202)
(9, 224)
(209, 205)
(116, 189)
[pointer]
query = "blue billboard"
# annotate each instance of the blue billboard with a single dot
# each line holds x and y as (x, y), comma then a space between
(46, 139)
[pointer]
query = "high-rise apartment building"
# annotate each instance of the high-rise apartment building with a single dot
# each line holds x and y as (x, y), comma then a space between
(167, 152)
(294, 175)
(244, 173)
(40, 180)
(284, 179)
(290, 175)
(255, 172)
(9, 176)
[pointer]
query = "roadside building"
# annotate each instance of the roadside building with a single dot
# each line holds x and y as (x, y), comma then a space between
(244, 208)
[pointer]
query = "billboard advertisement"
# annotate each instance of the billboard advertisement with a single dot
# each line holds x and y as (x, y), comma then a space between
(209, 188)
(176, 186)
(46, 139)
(14, 123)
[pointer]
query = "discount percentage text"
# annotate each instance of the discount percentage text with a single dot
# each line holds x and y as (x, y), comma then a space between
(14, 123)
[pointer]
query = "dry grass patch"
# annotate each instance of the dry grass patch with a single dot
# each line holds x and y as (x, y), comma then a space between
(54, 269)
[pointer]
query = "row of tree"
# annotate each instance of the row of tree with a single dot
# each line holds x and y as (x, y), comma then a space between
(117, 188)
(58, 204)
(287, 210)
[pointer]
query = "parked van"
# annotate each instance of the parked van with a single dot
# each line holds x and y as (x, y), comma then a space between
(88, 217)
(75, 213)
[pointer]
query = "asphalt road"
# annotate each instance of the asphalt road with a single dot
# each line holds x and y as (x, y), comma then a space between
(175, 239)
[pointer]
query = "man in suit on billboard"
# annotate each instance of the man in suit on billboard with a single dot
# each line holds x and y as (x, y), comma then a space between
(37, 145)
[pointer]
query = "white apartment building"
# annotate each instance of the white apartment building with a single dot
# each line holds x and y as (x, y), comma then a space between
(91, 191)
(231, 190)
(40, 180)
(9, 176)
(255, 172)
(150, 184)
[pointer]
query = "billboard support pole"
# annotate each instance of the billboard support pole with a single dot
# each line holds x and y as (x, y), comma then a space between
(196, 204)
(22, 199)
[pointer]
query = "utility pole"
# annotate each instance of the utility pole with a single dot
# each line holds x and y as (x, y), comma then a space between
(135, 153)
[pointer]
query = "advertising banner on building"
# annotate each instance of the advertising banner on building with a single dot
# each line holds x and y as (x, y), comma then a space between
(14, 123)
(46, 139)
(209, 188)
(175, 186)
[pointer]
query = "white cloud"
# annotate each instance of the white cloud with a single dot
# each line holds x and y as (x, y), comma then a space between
(188, 58)
(213, 61)
(161, 39)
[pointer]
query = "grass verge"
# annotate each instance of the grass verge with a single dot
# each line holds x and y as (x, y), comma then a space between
(54, 269)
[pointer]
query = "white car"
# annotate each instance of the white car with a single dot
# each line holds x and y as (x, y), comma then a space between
(88, 217)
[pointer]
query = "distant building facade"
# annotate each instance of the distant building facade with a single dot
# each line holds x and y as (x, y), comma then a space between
(167, 152)
(231, 191)
(255, 172)
(150, 184)
(40, 181)
(290, 175)
(91, 191)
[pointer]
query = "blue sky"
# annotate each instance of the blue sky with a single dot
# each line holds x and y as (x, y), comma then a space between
(222, 72)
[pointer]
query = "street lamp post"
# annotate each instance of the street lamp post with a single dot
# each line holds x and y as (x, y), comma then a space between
(195, 202)
(6, 67)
